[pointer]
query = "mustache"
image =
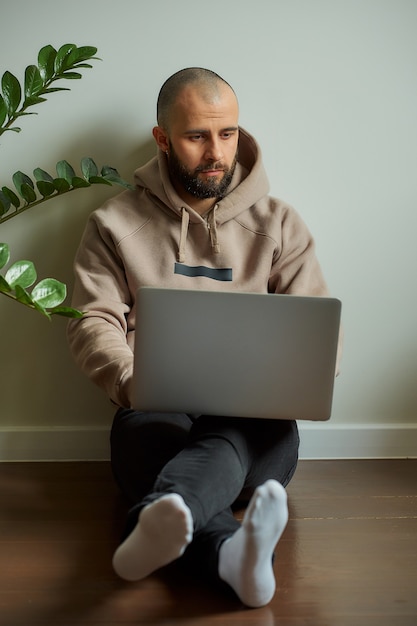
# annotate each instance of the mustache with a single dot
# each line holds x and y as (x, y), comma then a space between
(211, 166)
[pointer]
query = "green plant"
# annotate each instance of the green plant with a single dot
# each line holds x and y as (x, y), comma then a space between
(47, 295)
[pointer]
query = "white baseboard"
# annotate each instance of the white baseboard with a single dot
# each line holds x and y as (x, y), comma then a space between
(325, 440)
(318, 441)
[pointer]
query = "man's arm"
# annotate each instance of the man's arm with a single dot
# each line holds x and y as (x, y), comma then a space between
(296, 269)
(99, 341)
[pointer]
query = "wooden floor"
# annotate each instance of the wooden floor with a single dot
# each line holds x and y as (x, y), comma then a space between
(348, 556)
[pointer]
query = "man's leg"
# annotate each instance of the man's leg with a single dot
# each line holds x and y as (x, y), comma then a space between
(242, 555)
(199, 482)
(221, 458)
(245, 560)
(161, 535)
(141, 444)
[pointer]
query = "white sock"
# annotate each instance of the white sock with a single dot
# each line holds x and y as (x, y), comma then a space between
(245, 560)
(164, 530)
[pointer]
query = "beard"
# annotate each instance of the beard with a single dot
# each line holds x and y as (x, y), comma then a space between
(195, 186)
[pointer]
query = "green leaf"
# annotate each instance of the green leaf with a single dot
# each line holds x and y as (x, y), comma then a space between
(88, 168)
(45, 188)
(3, 111)
(99, 180)
(53, 89)
(23, 296)
(28, 193)
(109, 173)
(22, 113)
(78, 182)
(12, 92)
(49, 293)
(112, 175)
(4, 285)
(24, 186)
(66, 311)
(62, 56)
(11, 196)
(71, 75)
(61, 185)
(40, 174)
(31, 101)
(15, 129)
(19, 180)
(46, 61)
(41, 309)
(4, 203)
(81, 54)
(4, 254)
(80, 65)
(33, 81)
(22, 273)
(65, 170)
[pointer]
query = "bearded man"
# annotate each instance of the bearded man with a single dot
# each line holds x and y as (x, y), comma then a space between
(200, 217)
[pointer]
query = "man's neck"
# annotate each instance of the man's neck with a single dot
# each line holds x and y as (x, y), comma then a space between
(200, 206)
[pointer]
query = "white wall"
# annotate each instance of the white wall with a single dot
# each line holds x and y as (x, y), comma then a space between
(328, 88)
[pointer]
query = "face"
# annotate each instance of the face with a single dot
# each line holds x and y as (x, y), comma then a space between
(201, 142)
(209, 180)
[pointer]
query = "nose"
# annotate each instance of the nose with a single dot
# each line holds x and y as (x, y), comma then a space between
(214, 150)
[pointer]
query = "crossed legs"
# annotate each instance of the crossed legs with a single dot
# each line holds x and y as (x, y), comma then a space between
(187, 511)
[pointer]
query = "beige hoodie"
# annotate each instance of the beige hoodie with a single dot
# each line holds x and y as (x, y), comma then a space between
(249, 242)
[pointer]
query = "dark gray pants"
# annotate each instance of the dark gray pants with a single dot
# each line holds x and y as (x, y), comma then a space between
(212, 462)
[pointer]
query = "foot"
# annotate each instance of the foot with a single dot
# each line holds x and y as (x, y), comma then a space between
(245, 560)
(164, 530)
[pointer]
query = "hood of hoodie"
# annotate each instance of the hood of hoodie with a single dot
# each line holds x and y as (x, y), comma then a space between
(249, 184)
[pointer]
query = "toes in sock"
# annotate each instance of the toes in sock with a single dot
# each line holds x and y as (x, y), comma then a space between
(245, 560)
(164, 530)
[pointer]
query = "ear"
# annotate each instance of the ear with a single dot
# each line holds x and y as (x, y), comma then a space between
(161, 138)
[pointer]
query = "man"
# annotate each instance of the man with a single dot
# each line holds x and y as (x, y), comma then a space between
(199, 218)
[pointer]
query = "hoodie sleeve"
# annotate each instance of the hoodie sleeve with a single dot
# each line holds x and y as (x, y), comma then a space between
(296, 269)
(98, 341)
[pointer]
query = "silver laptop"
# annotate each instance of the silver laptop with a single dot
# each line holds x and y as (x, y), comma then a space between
(235, 354)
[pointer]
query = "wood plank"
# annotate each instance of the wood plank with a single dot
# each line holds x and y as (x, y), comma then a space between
(347, 557)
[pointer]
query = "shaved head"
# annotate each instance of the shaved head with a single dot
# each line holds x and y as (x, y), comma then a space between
(198, 133)
(210, 86)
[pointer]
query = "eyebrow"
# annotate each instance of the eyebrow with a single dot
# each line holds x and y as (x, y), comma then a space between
(197, 131)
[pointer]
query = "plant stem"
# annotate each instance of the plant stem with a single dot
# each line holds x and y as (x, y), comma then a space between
(24, 208)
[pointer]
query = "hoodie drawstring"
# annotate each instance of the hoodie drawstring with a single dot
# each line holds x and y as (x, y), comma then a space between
(211, 225)
(185, 220)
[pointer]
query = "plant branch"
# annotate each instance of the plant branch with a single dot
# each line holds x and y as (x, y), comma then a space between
(50, 187)
(46, 296)
(52, 65)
